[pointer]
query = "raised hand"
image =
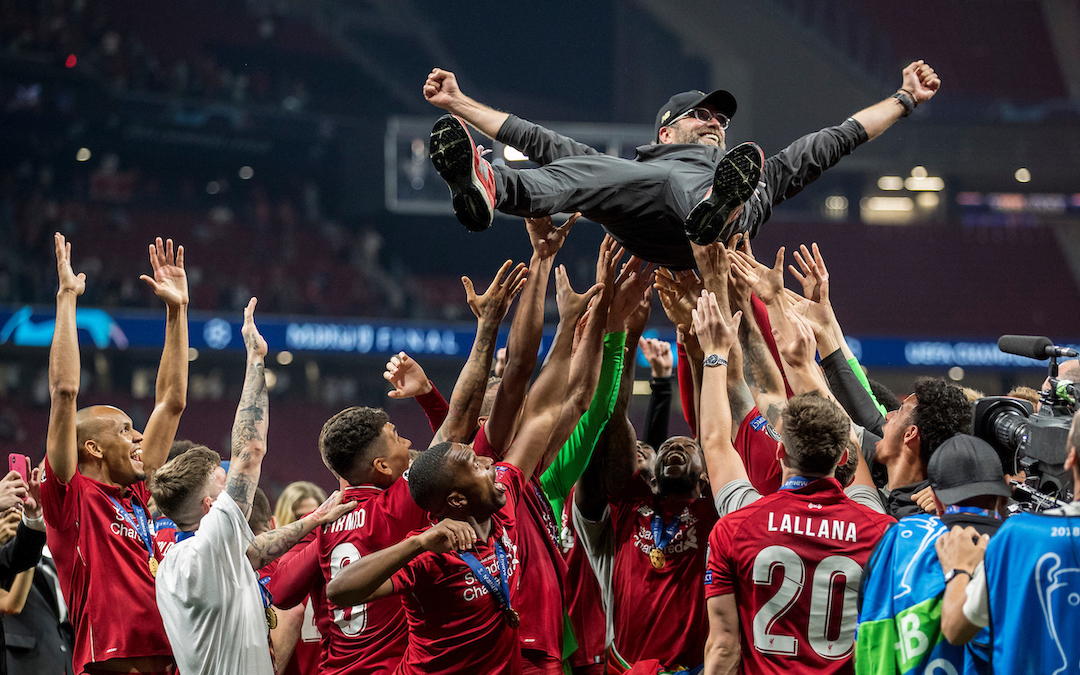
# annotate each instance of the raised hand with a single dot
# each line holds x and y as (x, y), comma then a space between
(494, 303)
(408, 378)
(448, 535)
(32, 505)
(678, 293)
(69, 281)
(9, 524)
(571, 305)
(739, 287)
(921, 81)
(331, 509)
(633, 281)
(811, 273)
(658, 354)
(253, 341)
(546, 239)
(170, 280)
(766, 283)
(441, 89)
(800, 349)
(715, 332)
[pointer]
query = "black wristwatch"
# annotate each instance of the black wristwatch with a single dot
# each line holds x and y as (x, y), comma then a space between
(713, 360)
(952, 574)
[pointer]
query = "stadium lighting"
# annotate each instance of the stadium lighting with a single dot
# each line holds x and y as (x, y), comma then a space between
(213, 187)
(919, 172)
(956, 373)
(192, 354)
(925, 184)
(82, 155)
(890, 183)
(928, 200)
(246, 172)
(1022, 175)
(899, 204)
(836, 203)
(284, 358)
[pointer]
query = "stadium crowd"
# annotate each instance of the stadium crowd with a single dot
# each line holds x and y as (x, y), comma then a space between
(811, 520)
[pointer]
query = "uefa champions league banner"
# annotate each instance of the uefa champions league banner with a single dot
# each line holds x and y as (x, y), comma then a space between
(28, 326)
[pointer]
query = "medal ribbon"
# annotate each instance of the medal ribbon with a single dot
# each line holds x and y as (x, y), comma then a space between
(661, 534)
(795, 482)
(500, 589)
(181, 536)
(138, 523)
(267, 596)
(972, 509)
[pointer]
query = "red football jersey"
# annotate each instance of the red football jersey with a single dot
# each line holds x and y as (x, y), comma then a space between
(584, 604)
(660, 613)
(455, 625)
(307, 651)
(756, 445)
(103, 567)
(368, 638)
(541, 599)
(794, 560)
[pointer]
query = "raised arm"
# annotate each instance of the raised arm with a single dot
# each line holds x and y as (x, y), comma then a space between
(489, 308)
(760, 370)
(526, 330)
(661, 365)
(441, 90)
(170, 284)
(548, 394)
(273, 544)
(919, 85)
(61, 444)
(717, 334)
(252, 419)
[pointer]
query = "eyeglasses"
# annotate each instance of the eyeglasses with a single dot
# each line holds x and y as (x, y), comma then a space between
(702, 115)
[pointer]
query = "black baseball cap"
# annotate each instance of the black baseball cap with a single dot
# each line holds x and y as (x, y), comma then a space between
(964, 467)
(721, 100)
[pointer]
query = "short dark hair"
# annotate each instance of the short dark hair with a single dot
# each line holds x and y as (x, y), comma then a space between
(180, 446)
(259, 520)
(429, 481)
(181, 483)
(815, 432)
(942, 412)
(351, 436)
(884, 395)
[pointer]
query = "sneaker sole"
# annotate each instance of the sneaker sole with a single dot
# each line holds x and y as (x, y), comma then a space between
(452, 152)
(734, 181)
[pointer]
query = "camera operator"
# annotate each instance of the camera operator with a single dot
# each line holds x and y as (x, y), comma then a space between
(903, 587)
(1027, 585)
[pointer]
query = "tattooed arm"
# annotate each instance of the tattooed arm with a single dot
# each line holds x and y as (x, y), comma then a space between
(489, 308)
(252, 419)
(760, 370)
(272, 544)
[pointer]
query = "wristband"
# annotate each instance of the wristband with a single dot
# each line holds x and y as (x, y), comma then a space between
(34, 523)
(952, 574)
(906, 100)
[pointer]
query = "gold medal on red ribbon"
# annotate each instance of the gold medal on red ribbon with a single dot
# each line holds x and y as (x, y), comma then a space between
(271, 618)
(152, 563)
(657, 558)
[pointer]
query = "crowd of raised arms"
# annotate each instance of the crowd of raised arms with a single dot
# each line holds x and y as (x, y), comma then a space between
(809, 521)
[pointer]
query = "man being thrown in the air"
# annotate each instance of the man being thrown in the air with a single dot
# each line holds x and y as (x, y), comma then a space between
(682, 186)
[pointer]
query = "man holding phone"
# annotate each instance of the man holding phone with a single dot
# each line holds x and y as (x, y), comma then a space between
(94, 486)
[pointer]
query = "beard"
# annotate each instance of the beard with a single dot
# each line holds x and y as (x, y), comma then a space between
(694, 137)
(679, 484)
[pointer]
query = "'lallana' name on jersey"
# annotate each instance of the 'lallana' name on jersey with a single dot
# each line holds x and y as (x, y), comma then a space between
(840, 530)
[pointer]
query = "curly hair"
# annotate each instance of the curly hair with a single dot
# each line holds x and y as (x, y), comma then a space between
(180, 485)
(814, 433)
(942, 412)
(350, 437)
(429, 481)
(884, 395)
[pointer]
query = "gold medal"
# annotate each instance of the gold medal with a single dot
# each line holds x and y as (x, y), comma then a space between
(657, 558)
(271, 618)
(513, 618)
(152, 563)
